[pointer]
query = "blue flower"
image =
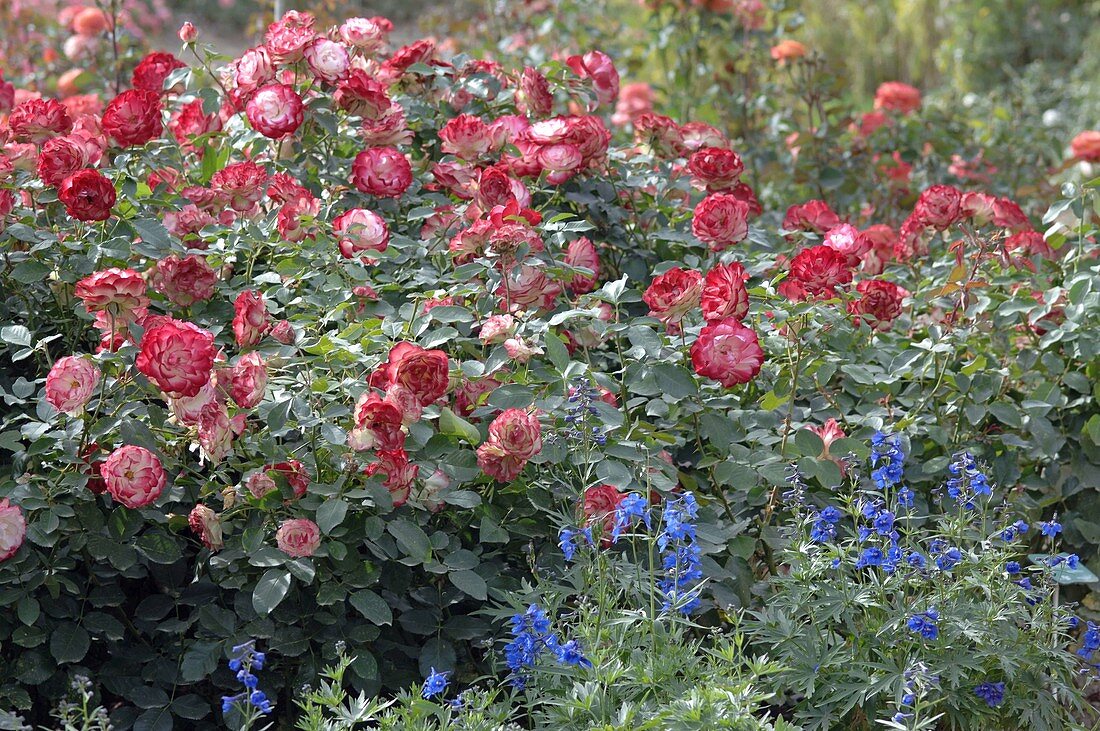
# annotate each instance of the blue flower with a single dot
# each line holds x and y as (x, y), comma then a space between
(435, 685)
(925, 624)
(992, 693)
(884, 523)
(949, 559)
(1073, 561)
(830, 514)
(565, 542)
(871, 556)
(1050, 528)
(1012, 567)
(632, 507)
(244, 660)
(570, 654)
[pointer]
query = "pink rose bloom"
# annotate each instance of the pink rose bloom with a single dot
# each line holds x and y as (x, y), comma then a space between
(517, 432)
(13, 529)
(497, 329)
(184, 281)
(600, 69)
(37, 120)
(466, 137)
(673, 294)
(720, 220)
(250, 318)
(814, 215)
(634, 100)
(697, 135)
(275, 111)
(244, 183)
(253, 69)
(177, 357)
(582, 253)
(727, 352)
(188, 409)
(248, 380)
(521, 350)
(361, 230)
(133, 117)
(879, 303)
(829, 432)
(939, 206)
(424, 372)
(298, 537)
(60, 158)
(187, 32)
(378, 424)
(382, 172)
(394, 464)
(849, 241)
(328, 60)
(134, 476)
(407, 402)
(368, 35)
(207, 526)
(187, 221)
(724, 294)
(897, 97)
(715, 168)
(1086, 146)
(286, 39)
(560, 161)
(533, 96)
(71, 382)
(217, 430)
(119, 292)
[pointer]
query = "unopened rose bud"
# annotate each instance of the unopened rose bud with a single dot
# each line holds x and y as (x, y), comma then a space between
(187, 33)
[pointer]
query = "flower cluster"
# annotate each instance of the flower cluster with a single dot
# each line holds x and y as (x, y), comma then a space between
(246, 659)
(967, 481)
(531, 638)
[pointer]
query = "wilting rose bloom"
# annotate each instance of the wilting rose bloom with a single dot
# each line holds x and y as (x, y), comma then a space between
(87, 195)
(526, 287)
(134, 476)
(534, 97)
(275, 111)
(471, 394)
(466, 137)
(177, 357)
(816, 272)
(188, 221)
(260, 484)
(378, 424)
(394, 464)
(71, 382)
(720, 220)
(879, 303)
(673, 294)
(977, 206)
(814, 215)
(205, 523)
(361, 230)
(939, 206)
(133, 117)
(250, 318)
(382, 172)
(248, 380)
(298, 537)
(724, 293)
(715, 168)
(328, 60)
(497, 329)
(216, 432)
(849, 241)
(369, 35)
(60, 157)
(1086, 146)
(727, 352)
(897, 97)
(286, 39)
(188, 409)
(283, 332)
(1008, 214)
(521, 350)
(598, 67)
(295, 474)
(661, 134)
(150, 73)
(697, 135)
(787, 50)
(13, 529)
(244, 183)
(120, 292)
(582, 253)
(184, 281)
(37, 120)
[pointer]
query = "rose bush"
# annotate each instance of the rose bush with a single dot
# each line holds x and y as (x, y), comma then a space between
(350, 322)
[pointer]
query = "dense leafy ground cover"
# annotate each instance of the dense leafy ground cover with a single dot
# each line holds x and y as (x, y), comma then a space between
(352, 353)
